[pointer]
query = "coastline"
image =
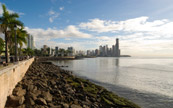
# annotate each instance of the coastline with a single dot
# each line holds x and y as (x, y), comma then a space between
(46, 85)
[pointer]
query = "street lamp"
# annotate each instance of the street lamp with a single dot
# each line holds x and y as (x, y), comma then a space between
(15, 29)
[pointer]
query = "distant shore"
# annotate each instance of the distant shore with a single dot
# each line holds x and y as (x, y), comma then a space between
(46, 85)
(71, 57)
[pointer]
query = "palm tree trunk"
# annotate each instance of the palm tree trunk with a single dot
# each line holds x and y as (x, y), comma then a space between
(6, 48)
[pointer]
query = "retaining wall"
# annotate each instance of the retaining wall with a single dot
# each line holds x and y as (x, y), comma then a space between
(10, 76)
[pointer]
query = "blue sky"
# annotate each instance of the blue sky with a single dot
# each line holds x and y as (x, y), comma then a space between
(143, 26)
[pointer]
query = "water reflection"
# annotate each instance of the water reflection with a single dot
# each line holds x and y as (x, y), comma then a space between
(117, 62)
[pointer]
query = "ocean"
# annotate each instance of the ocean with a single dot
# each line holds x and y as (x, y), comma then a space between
(147, 82)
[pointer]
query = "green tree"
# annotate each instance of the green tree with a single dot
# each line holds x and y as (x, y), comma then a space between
(1, 45)
(28, 51)
(8, 21)
(61, 51)
(37, 52)
(21, 38)
(68, 52)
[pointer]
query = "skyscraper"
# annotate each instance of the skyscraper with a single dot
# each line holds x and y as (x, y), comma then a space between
(117, 50)
(56, 51)
(30, 41)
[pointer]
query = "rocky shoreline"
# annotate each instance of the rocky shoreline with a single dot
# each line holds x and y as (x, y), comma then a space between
(47, 86)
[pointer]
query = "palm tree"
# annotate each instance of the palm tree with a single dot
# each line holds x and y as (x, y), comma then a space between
(8, 20)
(21, 38)
(1, 45)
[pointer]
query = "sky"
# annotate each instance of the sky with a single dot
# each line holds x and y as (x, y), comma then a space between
(144, 27)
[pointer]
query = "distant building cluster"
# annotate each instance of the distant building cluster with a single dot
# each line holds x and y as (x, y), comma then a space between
(70, 51)
(104, 51)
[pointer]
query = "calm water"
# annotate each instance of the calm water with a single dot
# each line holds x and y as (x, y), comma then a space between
(145, 81)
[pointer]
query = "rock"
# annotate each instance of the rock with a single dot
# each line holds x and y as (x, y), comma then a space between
(75, 106)
(47, 96)
(20, 92)
(70, 90)
(51, 105)
(84, 106)
(31, 101)
(75, 101)
(37, 92)
(82, 85)
(41, 101)
(34, 96)
(22, 106)
(65, 105)
(14, 101)
(30, 87)
(21, 100)
(53, 82)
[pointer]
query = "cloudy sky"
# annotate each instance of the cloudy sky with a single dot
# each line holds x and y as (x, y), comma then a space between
(144, 27)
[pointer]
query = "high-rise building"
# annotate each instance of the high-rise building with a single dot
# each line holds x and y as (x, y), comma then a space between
(106, 50)
(56, 51)
(97, 52)
(71, 51)
(101, 50)
(30, 41)
(88, 52)
(117, 50)
(114, 51)
(52, 52)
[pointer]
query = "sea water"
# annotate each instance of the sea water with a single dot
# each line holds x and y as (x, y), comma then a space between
(147, 82)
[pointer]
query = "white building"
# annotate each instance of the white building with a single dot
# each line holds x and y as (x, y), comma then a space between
(30, 42)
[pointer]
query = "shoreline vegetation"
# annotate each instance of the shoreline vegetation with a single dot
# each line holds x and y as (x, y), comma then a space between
(46, 85)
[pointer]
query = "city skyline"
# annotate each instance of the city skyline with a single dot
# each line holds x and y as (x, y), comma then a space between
(144, 27)
(105, 51)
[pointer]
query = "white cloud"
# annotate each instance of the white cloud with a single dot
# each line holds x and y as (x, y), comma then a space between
(138, 37)
(140, 24)
(53, 15)
(51, 12)
(61, 8)
(41, 35)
